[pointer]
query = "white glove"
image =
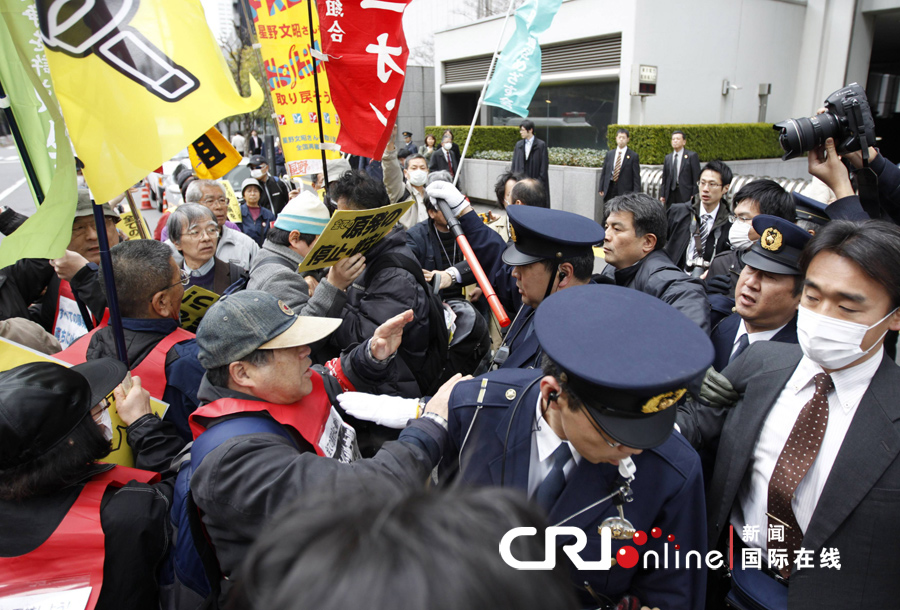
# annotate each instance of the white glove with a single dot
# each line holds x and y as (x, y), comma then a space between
(388, 411)
(449, 193)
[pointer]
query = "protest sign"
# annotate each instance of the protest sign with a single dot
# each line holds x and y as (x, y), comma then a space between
(194, 304)
(352, 232)
(367, 54)
(234, 206)
(283, 32)
(212, 156)
(13, 354)
(128, 225)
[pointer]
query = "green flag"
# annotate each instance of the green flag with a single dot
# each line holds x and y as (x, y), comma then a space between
(26, 82)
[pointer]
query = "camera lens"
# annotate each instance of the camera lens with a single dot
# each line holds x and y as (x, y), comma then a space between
(802, 135)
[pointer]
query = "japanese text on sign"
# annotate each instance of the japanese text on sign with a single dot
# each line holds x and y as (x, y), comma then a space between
(194, 305)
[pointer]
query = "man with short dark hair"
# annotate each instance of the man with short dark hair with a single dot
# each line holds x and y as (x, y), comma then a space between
(531, 157)
(698, 231)
(529, 191)
(681, 172)
(405, 180)
(809, 452)
(634, 250)
(378, 295)
(621, 172)
(150, 287)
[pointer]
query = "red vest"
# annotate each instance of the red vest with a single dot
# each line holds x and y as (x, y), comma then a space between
(312, 417)
(151, 370)
(73, 555)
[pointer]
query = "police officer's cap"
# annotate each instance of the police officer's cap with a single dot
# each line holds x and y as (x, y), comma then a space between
(627, 355)
(543, 234)
(779, 246)
(407, 134)
(810, 209)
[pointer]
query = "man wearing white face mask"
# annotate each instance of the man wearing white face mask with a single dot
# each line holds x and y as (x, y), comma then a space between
(811, 448)
(757, 197)
(405, 182)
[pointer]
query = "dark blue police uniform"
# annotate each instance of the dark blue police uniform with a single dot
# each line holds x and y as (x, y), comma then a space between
(492, 419)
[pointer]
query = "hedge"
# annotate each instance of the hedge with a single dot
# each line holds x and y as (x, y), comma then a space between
(483, 138)
(575, 157)
(730, 141)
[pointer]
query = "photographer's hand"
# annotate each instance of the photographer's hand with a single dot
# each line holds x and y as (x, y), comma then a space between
(825, 164)
(856, 159)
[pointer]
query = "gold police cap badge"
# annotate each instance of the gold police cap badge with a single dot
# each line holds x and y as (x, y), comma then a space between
(771, 240)
(661, 402)
(512, 232)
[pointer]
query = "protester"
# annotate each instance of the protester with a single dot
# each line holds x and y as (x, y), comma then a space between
(150, 287)
(65, 517)
(195, 232)
(289, 240)
(256, 352)
(406, 184)
(452, 531)
(275, 193)
(63, 295)
(634, 250)
(255, 219)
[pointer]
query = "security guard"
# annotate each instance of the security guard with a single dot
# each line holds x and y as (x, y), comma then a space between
(568, 434)
(549, 250)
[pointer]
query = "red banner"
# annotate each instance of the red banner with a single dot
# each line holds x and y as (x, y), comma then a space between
(366, 68)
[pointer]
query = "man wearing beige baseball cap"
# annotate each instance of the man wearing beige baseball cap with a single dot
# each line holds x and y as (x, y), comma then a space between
(270, 427)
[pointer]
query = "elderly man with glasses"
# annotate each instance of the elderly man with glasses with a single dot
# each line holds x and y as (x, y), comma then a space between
(150, 286)
(194, 231)
(233, 245)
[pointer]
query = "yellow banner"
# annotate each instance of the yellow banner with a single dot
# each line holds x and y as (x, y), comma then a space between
(13, 354)
(128, 225)
(283, 32)
(212, 156)
(194, 304)
(352, 232)
(234, 206)
(140, 88)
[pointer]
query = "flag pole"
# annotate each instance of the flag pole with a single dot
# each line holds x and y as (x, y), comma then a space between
(20, 144)
(312, 51)
(109, 281)
(487, 80)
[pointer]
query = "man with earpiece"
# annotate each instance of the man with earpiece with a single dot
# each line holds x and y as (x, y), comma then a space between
(548, 251)
(615, 362)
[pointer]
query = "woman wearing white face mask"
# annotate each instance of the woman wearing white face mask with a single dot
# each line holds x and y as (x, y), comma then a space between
(755, 198)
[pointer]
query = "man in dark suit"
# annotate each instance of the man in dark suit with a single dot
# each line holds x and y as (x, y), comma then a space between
(810, 454)
(531, 158)
(564, 435)
(681, 172)
(622, 169)
(767, 293)
(446, 158)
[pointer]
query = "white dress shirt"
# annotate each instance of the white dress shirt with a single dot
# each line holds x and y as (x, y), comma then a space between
(543, 443)
(753, 496)
(528, 143)
(763, 335)
(710, 221)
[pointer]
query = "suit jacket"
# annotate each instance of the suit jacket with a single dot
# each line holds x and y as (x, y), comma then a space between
(629, 174)
(668, 488)
(723, 338)
(856, 512)
(685, 182)
(439, 161)
(682, 220)
(536, 165)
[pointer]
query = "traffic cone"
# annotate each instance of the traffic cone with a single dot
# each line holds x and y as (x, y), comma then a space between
(145, 197)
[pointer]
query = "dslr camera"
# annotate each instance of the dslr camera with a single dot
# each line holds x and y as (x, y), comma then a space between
(847, 119)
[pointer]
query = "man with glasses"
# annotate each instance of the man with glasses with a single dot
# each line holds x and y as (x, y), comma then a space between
(699, 230)
(233, 246)
(275, 193)
(150, 287)
(194, 231)
(615, 363)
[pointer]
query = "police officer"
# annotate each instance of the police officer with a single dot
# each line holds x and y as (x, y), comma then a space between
(611, 377)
